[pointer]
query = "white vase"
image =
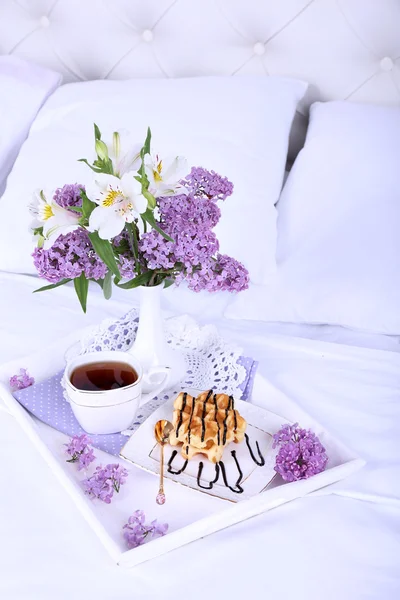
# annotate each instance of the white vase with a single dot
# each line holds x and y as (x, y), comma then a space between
(150, 346)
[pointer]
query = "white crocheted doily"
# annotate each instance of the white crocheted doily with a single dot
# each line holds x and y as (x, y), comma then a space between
(211, 361)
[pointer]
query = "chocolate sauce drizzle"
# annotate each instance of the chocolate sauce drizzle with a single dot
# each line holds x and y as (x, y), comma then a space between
(262, 461)
(216, 418)
(181, 413)
(224, 423)
(190, 426)
(239, 489)
(203, 416)
(175, 452)
(211, 484)
(219, 467)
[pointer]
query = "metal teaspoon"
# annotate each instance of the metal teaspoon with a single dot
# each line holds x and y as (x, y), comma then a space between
(162, 430)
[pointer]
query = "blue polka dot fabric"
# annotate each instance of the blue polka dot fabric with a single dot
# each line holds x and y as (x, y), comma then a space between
(45, 400)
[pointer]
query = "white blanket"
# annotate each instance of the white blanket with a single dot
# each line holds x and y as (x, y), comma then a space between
(342, 543)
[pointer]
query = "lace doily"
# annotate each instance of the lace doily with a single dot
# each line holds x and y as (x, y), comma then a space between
(211, 361)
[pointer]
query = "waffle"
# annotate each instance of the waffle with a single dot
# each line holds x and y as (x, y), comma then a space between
(205, 425)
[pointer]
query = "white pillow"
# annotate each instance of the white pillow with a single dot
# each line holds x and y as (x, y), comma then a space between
(237, 126)
(23, 89)
(338, 226)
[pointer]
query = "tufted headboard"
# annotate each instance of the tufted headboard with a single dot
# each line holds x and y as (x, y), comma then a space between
(343, 48)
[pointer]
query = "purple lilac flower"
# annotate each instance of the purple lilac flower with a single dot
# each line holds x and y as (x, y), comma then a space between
(69, 195)
(188, 220)
(21, 380)
(214, 186)
(222, 273)
(126, 261)
(70, 256)
(188, 212)
(105, 481)
(190, 251)
(300, 455)
(79, 451)
(136, 531)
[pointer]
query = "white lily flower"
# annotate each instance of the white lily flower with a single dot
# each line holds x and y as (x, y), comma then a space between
(54, 219)
(119, 201)
(123, 162)
(164, 174)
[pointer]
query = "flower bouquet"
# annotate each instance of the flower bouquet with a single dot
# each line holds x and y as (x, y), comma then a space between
(143, 221)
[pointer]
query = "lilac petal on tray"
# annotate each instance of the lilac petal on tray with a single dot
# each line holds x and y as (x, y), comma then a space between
(45, 400)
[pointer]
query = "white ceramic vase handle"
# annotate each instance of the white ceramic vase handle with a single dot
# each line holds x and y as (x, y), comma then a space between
(159, 387)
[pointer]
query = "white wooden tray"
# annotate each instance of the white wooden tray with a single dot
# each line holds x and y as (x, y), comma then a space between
(191, 515)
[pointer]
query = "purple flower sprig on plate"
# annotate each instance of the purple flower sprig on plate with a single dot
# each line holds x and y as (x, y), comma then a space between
(79, 451)
(136, 531)
(301, 454)
(21, 380)
(105, 481)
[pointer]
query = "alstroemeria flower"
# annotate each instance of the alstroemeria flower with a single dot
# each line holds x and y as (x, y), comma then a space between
(119, 201)
(123, 163)
(164, 175)
(54, 219)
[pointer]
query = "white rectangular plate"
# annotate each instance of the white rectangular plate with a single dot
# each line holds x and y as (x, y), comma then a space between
(142, 451)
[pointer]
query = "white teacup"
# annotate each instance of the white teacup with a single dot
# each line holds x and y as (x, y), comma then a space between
(111, 411)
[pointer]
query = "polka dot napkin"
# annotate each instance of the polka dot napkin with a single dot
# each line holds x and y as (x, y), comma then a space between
(45, 400)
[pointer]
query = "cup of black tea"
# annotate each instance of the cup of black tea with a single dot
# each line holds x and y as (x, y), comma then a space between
(105, 389)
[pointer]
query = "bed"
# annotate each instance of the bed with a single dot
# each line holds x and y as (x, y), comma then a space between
(340, 542)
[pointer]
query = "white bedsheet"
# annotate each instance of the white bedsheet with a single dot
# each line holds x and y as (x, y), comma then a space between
(29, 321)
(341, 544)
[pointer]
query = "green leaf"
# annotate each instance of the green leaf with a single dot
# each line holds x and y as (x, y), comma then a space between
(83, 221)
(77, 209)
(147, 142)
(168, 282)
(150, 198)
(123, 247)
(105, 251)
(145, 150)
(133, 234)
(103, 165)
(136, 282)
(97, 134)
(107, 285)
(95, 169)
(38, 231)
(108, 166)
(87, 205)
(149, 217)
(81, 285)
(52, 286)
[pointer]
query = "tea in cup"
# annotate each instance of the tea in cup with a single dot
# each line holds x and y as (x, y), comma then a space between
(105, 389)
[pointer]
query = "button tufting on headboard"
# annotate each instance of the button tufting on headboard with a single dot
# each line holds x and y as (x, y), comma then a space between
(44, 21)
(387, 64)
(343, 48)
(259, 48)
(147, 35)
